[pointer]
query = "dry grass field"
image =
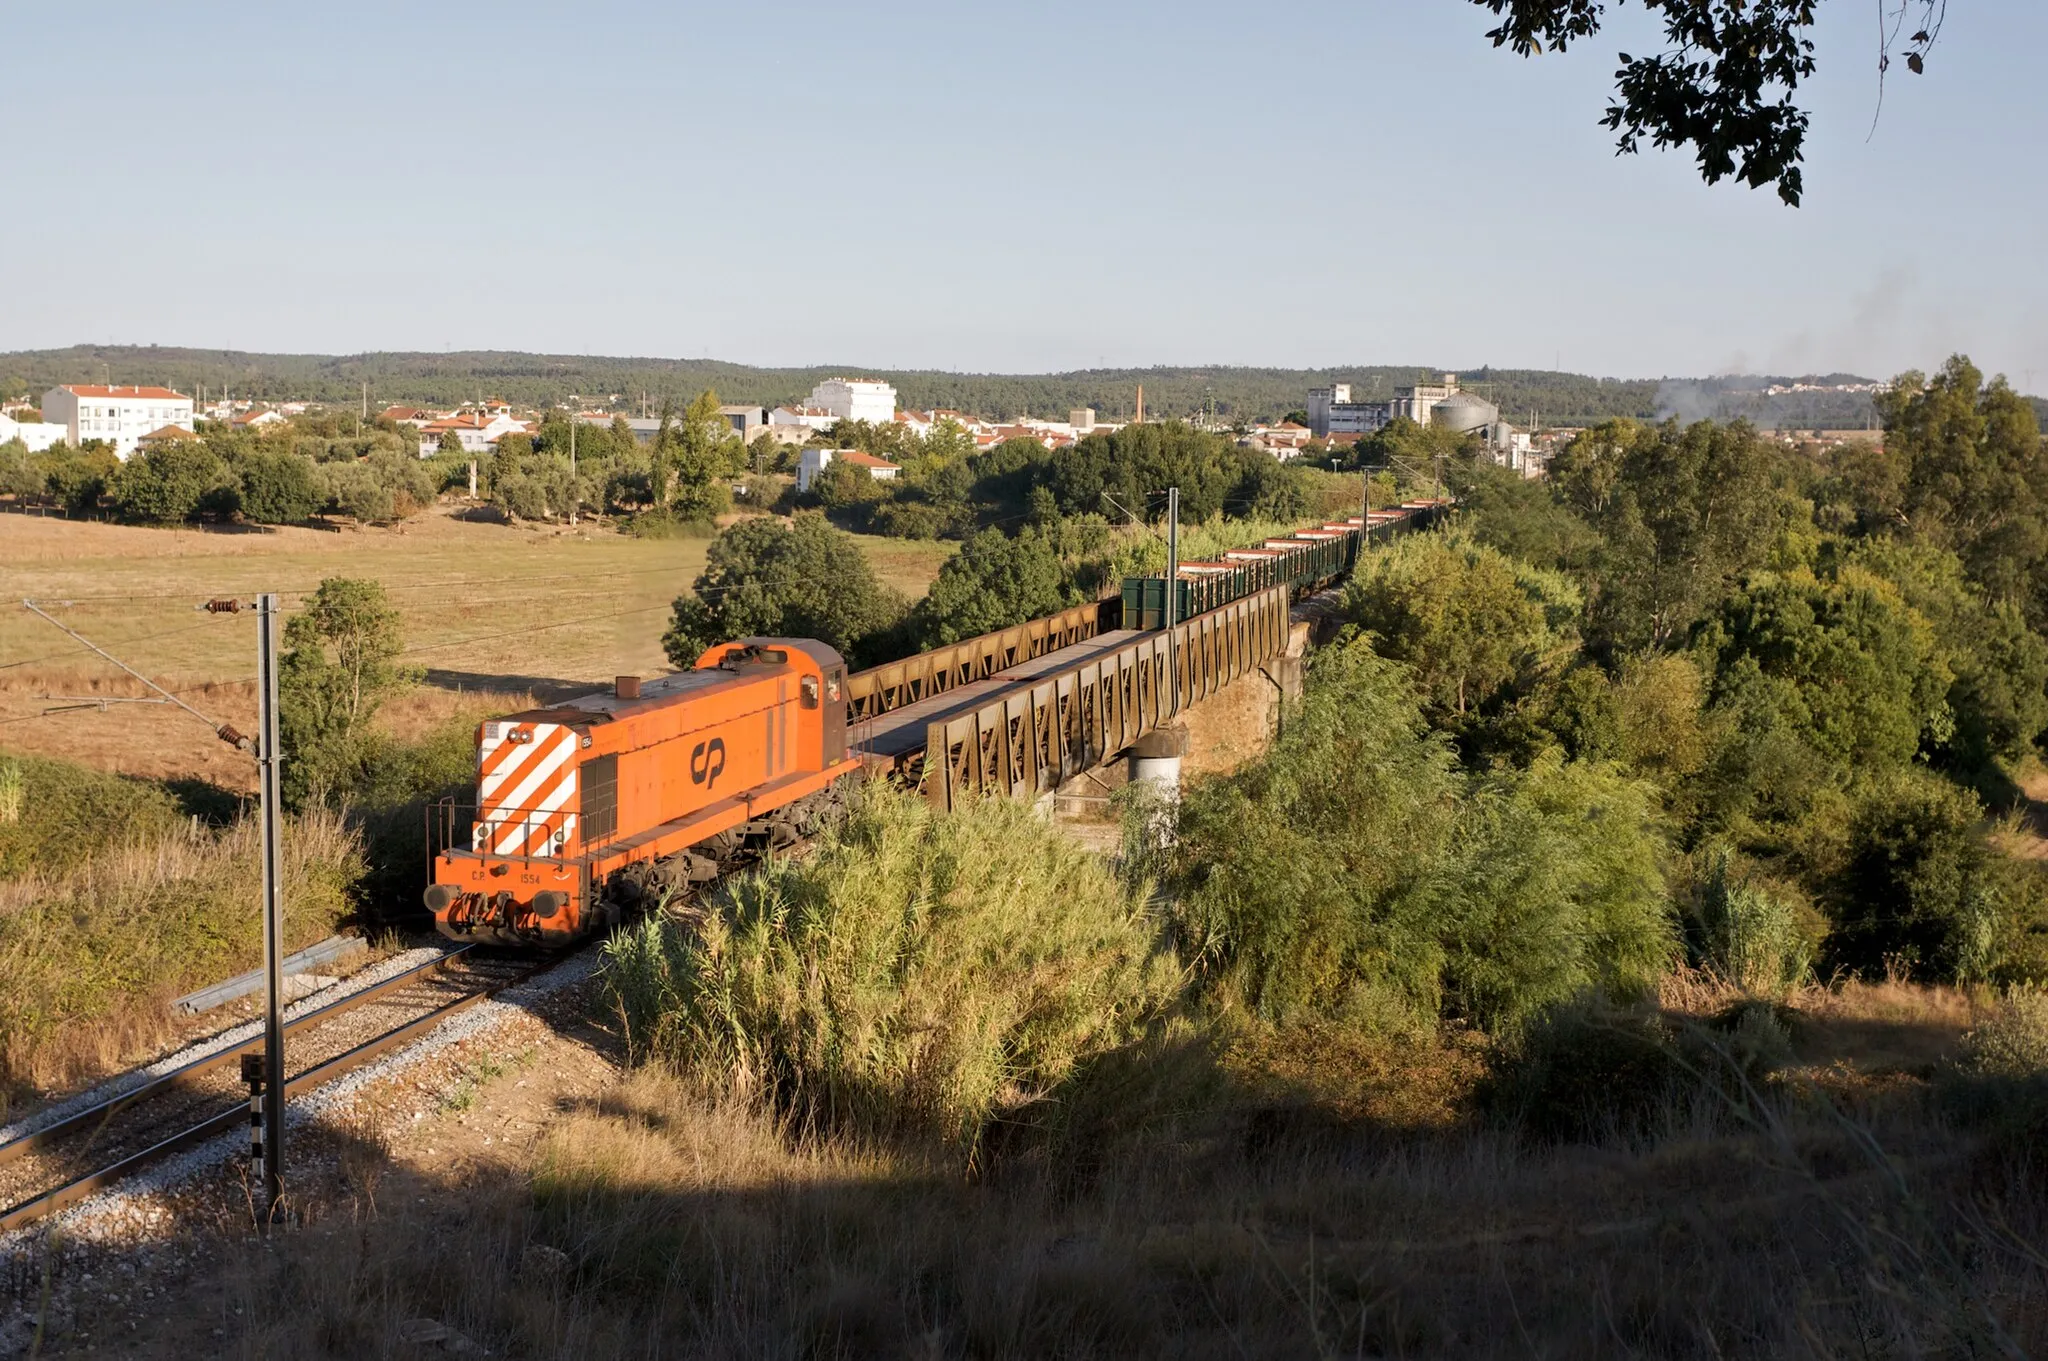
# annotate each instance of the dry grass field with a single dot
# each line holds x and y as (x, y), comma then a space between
(513, 609)
(1304, 1194)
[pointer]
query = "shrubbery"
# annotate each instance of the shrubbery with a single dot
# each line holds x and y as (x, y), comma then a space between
(918, 970)
(113, 897)
(1354, 871)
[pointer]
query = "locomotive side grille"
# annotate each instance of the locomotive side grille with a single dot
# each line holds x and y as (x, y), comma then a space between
(600, 799)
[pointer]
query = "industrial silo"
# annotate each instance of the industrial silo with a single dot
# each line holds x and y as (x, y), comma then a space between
(1464, 413)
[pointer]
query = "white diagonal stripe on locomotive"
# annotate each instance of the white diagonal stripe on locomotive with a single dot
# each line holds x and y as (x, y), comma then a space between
(540, 798)
(536, 826)
(552, 748)
(541, 788)
(546, 741)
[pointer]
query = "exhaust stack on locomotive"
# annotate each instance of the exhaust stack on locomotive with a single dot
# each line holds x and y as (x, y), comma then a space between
(588, 807)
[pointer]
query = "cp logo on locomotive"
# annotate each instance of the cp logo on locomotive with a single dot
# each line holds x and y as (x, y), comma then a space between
(707, 762)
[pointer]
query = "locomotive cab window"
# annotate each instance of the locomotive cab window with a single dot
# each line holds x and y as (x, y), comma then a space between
(810, 692)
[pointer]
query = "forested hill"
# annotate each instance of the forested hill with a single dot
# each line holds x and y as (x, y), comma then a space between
(1231, 392)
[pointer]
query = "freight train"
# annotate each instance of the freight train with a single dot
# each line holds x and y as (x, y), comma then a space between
(589, 809)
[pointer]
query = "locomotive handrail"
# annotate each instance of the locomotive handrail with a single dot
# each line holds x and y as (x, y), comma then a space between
(452, 825)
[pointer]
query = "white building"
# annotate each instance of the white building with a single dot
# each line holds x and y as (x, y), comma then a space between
(119, 415)
(803, 417)
(812, 462)
(1418, 401)
(855, 399)
(1332, 412)
(475, 431)
(37, 435)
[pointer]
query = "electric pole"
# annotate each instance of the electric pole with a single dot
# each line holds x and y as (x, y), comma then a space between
(266, 1078)
(269, 763)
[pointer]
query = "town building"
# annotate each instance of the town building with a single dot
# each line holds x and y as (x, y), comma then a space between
(475, 431)
(1334, 416)
(256, 418)
(170, 434)
(1331, 411)
(37, 435)
(119, 415)
(1416, 401)
(813, 462)
(746, 421)
(806, 417)
(855, 399)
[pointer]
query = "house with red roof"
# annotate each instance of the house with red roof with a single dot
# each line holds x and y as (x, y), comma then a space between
(475, 431)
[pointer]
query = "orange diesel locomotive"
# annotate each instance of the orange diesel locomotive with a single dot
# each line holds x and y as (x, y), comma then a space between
(591, 807)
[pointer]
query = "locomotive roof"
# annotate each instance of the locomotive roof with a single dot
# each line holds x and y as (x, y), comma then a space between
(601, 706)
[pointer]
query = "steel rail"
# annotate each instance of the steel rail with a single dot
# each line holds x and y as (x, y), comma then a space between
(185, 1073)
(81, 1188)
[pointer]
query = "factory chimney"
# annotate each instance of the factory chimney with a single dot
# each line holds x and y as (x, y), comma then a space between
(1140, 419)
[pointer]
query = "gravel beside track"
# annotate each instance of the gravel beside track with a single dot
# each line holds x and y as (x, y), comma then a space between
(135, 1077)
(133, 1209)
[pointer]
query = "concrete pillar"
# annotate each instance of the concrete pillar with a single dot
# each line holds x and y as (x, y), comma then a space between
(1155, 773)
(1156, 757)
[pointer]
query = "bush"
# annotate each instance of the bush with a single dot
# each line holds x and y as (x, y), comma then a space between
(1586, 1072)
(150, 912)
(1759, 937)
(1473, 623)
(340, 664)
(2001, 1082)
(2014, 1042)
(801, 579)
(390, 785)
(920, 970)
(662, 524)
(19, 475)
(62, 813)
(78, 478)
(1555, 889)
(1583, 1072)
(1918, 891)
(1306, 883)
(1352, 865)
(992, 583)
(384, 487)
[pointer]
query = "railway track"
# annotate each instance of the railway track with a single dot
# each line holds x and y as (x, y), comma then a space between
(73, 1158)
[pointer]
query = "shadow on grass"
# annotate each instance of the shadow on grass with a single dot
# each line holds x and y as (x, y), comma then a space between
(544, 689)
(213, 805)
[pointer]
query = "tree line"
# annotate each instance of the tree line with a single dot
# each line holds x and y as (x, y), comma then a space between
(1232, 393)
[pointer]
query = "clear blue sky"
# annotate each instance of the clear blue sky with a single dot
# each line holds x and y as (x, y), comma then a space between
(1022, 187)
